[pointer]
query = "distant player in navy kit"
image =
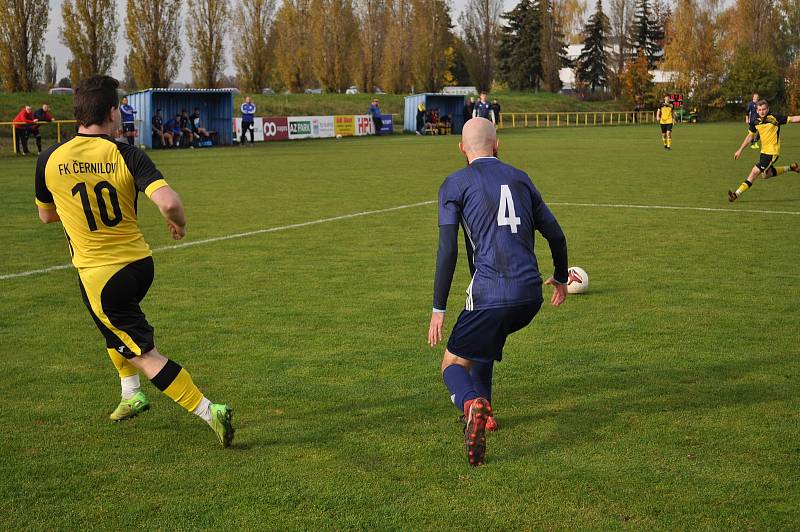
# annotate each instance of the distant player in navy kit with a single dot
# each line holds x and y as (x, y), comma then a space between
(499, 209)
(248, 110)
(750, 116)
(483, 109)
(128, 126)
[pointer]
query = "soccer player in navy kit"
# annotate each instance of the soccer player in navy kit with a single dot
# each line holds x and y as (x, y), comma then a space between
(128, 125)
(499, 208)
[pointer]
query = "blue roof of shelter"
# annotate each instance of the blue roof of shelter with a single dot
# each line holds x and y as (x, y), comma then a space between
(182, 90)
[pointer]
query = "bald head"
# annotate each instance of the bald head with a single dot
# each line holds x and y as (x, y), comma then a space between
(478, 138)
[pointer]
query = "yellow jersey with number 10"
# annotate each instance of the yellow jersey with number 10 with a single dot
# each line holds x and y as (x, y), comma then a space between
(93, 183)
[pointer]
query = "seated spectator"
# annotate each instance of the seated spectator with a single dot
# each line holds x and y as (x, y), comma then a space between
(172, 131)
(24, 122)
(445, 125)
(41, 115)
(194, 123)
(157, 125)
(186, 129)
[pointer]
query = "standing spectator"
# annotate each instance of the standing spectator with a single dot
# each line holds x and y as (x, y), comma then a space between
(248, 110)
(750, 117)
(41, 115)
(24, 124)
(496, 110)
(483, 109)
(375, 113)
(158, 129)
(128, 125)
(420, 119)
(469, 106)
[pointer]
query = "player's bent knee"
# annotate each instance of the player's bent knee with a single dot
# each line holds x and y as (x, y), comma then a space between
(449, 359)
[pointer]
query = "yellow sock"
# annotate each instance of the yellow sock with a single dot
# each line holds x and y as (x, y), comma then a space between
(780, 169)
(124, 367)
(664, 140)
(744, 186)
(177, 384)
(669, 142)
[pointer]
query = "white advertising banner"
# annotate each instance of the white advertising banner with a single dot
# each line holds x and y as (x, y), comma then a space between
(364, 125)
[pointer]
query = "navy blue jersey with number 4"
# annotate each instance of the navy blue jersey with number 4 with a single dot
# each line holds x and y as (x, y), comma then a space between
(499, 209)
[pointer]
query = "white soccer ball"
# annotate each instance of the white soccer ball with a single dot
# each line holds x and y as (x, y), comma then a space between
(338, 136)
(143, 146)
(577, 281)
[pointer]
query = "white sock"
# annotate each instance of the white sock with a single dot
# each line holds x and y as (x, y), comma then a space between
(203, 410)
(130, 386)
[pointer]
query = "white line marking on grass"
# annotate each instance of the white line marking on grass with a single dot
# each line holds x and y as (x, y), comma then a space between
(670, 207)
(236, 235)
(390, 209)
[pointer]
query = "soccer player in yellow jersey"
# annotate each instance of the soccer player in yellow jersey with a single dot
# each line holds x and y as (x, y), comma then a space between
(767, 126)
(91, 184)
(666, 117)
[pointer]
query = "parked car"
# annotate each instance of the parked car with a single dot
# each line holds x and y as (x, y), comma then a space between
(352, 90)
(60, 90)
(377, 90)
(267, 90)
(313, 91)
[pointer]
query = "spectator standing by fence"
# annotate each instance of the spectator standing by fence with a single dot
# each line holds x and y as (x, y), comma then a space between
(24, 122)
(483, 109)
(496, 110)
(375, 113)
(41, 115)
(248, 109)
(127, 113)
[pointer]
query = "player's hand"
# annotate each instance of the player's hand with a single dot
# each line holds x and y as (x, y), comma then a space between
(176, 231)
(435, 329)
(559, 292)
(737, 155)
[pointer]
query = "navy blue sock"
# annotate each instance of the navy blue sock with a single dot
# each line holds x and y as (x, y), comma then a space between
(481, 373)
(458, 381)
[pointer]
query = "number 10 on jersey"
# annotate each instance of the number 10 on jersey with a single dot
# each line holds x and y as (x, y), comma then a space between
(506, 215)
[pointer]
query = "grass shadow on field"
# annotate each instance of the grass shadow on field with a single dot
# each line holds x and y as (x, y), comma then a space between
(578, 410)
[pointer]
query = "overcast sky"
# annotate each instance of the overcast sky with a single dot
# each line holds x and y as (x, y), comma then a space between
(54, 47)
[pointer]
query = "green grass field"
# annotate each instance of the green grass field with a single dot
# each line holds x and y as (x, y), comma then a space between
(665, 398)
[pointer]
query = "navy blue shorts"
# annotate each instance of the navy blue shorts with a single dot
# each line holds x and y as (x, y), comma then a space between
(480, 335)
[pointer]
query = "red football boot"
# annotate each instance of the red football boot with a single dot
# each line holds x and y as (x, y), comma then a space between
(478, 412)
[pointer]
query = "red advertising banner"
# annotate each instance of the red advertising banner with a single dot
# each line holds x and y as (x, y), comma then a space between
(276, 128)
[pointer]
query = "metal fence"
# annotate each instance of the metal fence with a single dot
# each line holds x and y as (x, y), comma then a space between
(581, 119)
(56, 123)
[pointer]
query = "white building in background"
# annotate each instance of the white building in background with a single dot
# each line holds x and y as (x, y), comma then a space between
(567, 75)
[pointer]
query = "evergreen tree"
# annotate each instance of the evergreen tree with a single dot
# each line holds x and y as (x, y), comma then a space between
(593, 61)
(647, 34)
(519, 61)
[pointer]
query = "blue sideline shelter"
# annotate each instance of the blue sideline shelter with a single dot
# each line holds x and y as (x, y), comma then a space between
(216, 110)
(448, 104)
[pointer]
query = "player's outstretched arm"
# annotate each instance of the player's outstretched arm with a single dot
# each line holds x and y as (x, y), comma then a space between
(171, 207)
(446, 259)
(745, 143)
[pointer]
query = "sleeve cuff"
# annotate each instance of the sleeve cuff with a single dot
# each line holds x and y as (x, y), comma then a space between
(439, 311)
(155, 185)
(49, 206)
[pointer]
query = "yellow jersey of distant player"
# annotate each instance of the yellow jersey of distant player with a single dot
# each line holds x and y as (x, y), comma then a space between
(769, 130)
(667, 113)
(93, 183)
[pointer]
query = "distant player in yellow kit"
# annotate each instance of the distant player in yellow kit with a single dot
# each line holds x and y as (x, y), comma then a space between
(767, 126)
(91, 185)
(666, 117)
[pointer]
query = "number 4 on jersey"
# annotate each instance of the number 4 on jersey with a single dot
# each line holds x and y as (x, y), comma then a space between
(507, 206)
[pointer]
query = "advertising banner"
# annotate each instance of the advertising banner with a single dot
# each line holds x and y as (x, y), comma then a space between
(326, 126)
(258, 129)
(345, 125)
(387, 124)
(275, 128)
(364, 125)
(299, 127)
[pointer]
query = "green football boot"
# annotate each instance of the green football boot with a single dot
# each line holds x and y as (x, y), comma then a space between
(129, 408)
(221, 416)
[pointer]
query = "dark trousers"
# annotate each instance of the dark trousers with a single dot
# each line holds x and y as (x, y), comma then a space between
(378, 124)
(22, 139)
(247, 126)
